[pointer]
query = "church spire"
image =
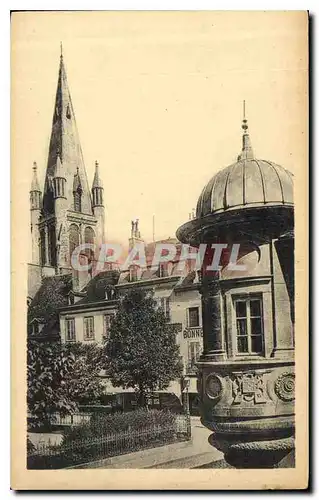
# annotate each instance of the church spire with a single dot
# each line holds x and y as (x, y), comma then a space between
(35, 191)
(247, 150)
(65, 140)
(35, 183)
(97, 188)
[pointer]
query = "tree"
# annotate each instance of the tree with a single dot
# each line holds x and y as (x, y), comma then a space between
(60, 377)
(141, 350)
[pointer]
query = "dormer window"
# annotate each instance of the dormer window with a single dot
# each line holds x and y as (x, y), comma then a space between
(36, 326)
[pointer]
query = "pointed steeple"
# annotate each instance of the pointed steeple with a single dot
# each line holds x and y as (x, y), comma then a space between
(97, 181)
(97, 188)
(35, 191)
(65, 140)
(35, 183)
(247, 150)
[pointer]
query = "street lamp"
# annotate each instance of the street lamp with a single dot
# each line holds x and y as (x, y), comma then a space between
(185, 386)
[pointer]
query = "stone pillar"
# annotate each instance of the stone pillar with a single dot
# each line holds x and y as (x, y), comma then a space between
(214, 345)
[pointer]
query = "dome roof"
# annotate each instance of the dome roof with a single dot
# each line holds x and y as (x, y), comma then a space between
(250, 197)
(248, 182)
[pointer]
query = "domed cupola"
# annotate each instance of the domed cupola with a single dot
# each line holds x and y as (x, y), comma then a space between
(255, 194)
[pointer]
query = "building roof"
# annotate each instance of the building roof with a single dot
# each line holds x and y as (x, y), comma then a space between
(250, 200)
(52, 294)
(97, 287)
(246, 183)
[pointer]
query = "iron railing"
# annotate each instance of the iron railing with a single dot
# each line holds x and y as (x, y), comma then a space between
(50, 455)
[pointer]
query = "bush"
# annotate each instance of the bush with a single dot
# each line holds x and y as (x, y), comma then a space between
(111, 435)
(103, 424)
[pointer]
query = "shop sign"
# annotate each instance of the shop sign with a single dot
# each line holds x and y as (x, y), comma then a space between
(192, 333)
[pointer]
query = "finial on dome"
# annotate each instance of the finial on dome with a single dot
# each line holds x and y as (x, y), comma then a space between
(244, 124)
(247, 151)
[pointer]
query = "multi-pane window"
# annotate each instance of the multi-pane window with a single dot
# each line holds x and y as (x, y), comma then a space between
(194, 350)
(249, 326)
(89, 328)
(107, 324)
(164, 304)
(70, 330)
(193, 317)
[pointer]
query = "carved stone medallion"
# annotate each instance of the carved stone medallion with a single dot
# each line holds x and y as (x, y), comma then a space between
(285, 386)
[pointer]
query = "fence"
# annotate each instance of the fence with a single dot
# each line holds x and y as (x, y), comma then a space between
(80, 451)
(70, 420)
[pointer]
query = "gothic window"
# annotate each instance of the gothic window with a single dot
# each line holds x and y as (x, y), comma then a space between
(42, 247)
(52, 246)
(78, 200)
(74, 238)
(89, 235)
(249, 325)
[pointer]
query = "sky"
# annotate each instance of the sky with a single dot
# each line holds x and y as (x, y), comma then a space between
(158, 101)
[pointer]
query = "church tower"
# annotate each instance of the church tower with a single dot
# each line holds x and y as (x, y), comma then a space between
(35, 207)
(68, 214)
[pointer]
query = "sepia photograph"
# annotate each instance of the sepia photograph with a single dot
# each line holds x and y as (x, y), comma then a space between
(159, 208)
